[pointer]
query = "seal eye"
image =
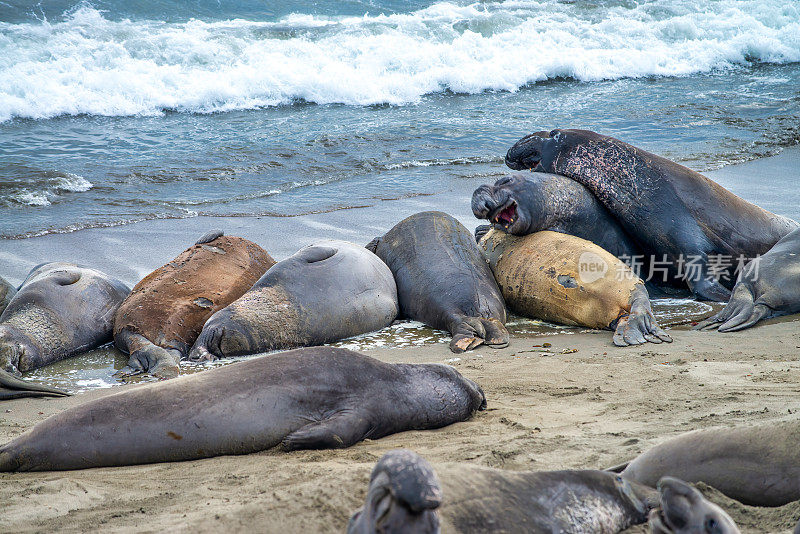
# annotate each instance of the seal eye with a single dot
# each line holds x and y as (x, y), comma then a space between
(711, 524)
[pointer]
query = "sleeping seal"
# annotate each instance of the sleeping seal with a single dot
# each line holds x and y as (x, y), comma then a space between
(7, 292)
(756, 465)
(684, 510)
(405, 496)
(443, 279)
(160, 320)
(60, 310)
(767, 287)
(667, 208)
(565, 279)
(311, 398)
(323, 293)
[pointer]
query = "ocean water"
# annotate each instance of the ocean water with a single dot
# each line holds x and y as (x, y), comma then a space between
(119, 111)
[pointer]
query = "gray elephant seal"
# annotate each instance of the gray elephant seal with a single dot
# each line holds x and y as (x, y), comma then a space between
(667, 208)
(768, 286)
(443, 279)
(756, 465)
(684, 510)
(311, 398)
(60, 310)
(7, 292)
(404, 494)
(323, 293)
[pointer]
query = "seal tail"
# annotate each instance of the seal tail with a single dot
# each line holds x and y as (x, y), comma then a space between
(472, 332)
(12, 387)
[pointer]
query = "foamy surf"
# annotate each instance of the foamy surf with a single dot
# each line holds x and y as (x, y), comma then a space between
(53, 186)
(87, 63)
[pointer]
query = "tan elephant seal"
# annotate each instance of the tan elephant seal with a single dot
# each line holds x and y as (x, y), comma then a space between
(160, 320)
(565, 279)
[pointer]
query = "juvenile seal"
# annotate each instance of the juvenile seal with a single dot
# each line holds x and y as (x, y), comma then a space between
(756, 465)
(60, 310)
(667, 208)
(443, 279)
(684, 510)
(565, 279)
(312, 398)
(161, 319)
(767, 287)
(7, 292)
(404, 496)
(323, 293)
(525, 203)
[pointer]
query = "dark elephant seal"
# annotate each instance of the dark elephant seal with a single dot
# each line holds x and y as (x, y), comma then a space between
(311, 398)
(7, 292)
(323, 293)
(161, 319)
(60, 310)
(12, 387)
(404, 496)
(568, 280)
(443, 279)
(767, 287)
(684, 510)
(667, 208)
(756, 465)
(525, 203)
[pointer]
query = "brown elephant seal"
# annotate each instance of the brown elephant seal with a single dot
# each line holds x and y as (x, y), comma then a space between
(323, 293)
(443, 279)
(565, 279)
(684, 510)
(667, 208)
(12, 387)
(7, 292)
(60, 310)
(311, 398)
(756, 465)
(405, 495)
(161, 319)
(768, 286)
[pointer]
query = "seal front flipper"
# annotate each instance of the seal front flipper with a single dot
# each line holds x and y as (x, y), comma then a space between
(146, 357)
(738, 311)
(12, 387)
(208, 237)
(471, 332)
(481, 231)
(639, 325)
(336, 432)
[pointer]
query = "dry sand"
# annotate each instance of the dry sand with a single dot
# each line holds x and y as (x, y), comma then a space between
(581, 404)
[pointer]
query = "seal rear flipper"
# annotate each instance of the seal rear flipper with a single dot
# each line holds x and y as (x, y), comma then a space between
(472, 332)
(12, 387)
(208, 237)
(146, 357)
(639, 325)
(337, 432)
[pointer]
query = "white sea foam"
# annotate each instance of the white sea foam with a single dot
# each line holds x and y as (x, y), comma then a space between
(51, 189)
(88, 64)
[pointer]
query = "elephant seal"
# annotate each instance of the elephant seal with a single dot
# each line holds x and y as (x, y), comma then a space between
(7, 292)
(443, 279)
(310, 398)
(60, 310)
(768, 286)
(670, 210)
(684, 510)
(325, 292)
(404, 496)
(565, 279)
(525, 203)
(161, 319)
(756, 465)
(12, 387)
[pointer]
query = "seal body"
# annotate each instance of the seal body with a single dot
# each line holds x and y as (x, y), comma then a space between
(405, 494)
(318, 397)
(60, 310)
(756, 465)
(523, 203)
(443, 279)
(568, 280)
(670, 210)
(7, 292)
(161, 319)
(323, 293)
(767, 287)
(683, 510)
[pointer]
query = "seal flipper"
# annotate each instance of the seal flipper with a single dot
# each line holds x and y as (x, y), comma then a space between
(208, 237)
(146, 357)
(372, 246)
(741, 312)
(481, 231)
(640, 325)
(336, 432)
(471, 332)
(709, 289)
(12, 387)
